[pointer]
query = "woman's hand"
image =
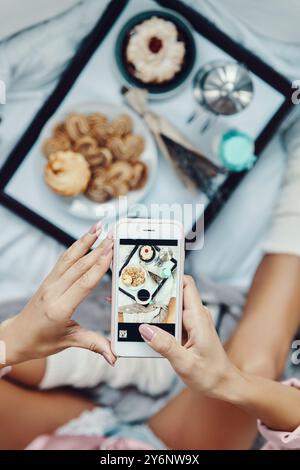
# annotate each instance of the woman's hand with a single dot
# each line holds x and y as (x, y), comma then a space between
(45, 325)
(201, 362)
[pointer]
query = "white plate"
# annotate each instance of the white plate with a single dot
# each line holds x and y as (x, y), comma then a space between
(132, 289)
(82, 207)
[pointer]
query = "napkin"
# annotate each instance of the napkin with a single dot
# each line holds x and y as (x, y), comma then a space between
(194, 169)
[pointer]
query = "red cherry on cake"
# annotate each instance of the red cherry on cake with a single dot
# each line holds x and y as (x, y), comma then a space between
(155, 45)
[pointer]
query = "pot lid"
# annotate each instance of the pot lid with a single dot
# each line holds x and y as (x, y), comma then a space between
(224, 88)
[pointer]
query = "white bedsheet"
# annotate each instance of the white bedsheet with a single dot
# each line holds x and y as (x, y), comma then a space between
(30, 63)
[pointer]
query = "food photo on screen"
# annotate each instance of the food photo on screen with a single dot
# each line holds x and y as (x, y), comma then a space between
(147, 286)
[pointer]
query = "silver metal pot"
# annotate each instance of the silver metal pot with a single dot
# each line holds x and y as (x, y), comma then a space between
(222, 89)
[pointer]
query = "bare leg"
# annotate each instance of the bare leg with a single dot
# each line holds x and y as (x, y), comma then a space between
(37, 412)
(171, 315)
(26, 414)
(259, 345)
(29, 373)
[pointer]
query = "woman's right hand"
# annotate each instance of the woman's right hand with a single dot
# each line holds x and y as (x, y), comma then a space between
(201, 362)
(45, 325)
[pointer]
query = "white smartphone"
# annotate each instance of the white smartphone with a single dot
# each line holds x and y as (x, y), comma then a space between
(147, 287)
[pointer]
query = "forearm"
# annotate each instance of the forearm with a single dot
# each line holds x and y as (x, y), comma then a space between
(275, 404)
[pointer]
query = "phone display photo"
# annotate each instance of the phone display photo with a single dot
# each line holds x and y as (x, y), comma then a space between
(147, 282)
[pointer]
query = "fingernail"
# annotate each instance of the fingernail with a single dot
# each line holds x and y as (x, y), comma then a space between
(96, 229)
(147, 332)
(108, 359)
(106, 247)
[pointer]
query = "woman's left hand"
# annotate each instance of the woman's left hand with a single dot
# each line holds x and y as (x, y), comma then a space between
(45, 325)
(201, 362)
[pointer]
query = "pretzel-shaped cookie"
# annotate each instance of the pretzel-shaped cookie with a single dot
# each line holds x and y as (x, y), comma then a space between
(122, 125)
(129, 148)
(77, 125)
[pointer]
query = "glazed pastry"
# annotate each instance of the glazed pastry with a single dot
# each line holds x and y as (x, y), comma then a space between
(54, 144)
(154, 52)
(147, 253)
(129, 148)
(122, 125)
(77, 125)
(67, 173)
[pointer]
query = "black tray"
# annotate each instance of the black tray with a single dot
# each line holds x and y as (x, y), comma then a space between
(81, 58)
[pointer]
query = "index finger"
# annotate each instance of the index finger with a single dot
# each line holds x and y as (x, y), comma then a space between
(75, 252)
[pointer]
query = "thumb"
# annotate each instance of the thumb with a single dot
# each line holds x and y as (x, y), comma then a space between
(92, 341)
(166, 345)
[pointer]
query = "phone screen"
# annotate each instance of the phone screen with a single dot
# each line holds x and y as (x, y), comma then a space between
(147, 286)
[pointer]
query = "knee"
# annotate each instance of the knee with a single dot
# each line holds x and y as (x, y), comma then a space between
(256, 364)
(266, 368)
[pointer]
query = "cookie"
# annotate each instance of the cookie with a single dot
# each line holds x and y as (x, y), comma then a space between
(101, 158)
(129, 148)
(54, 144)
(139, 175)
(60, 130)
(102, 133)
(96, 119)
(122, 125)
(86, 145)
(98, 189)
(120, 171)
(77, 126)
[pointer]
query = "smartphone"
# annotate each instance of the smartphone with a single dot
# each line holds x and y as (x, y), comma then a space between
(147, 281)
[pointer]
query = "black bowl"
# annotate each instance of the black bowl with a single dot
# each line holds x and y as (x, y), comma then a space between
(152, 257)
(185, 34)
